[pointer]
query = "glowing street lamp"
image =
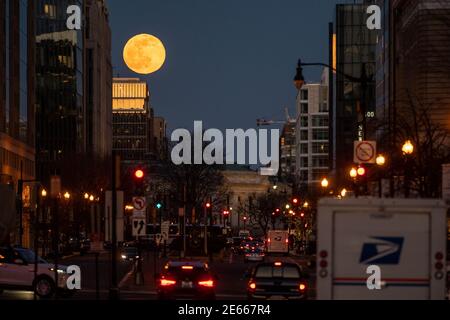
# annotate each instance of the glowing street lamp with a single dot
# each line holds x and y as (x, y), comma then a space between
(91, 198)
(67, 196)
(325, 183)
(44, 193)
(381, 160)
(353, 173)
(86, 196)
(408, 148)
(344, 193)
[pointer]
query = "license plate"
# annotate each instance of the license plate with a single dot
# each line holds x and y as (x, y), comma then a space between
(277, 298)
(186, 285)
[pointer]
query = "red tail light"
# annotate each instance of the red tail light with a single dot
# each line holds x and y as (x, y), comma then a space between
(302, 287)
(187, 267)
(287, 240)
(167, 282)
(206, 283)
(252, 286)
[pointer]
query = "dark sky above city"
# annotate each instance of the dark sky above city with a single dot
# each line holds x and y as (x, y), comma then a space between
(229, 62)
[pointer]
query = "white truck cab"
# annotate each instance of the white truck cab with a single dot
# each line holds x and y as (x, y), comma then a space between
(404, 238)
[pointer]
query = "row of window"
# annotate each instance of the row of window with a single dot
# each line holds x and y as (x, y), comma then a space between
(317, 174)
(317, 134)
(316, 148)
(10, 159)
(316, 121)
(304, 107)
(317, 162)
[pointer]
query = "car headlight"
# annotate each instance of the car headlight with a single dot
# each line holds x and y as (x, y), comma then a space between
(59, 270)
(124, 256)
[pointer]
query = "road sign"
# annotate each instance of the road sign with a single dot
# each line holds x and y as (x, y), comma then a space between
(139, 227)
(365, 152)
(139, 207)
(158, 238)
(165, 226)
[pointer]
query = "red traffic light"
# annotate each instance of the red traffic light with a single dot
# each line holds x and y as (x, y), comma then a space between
(139, 174)
(226, 212)
(208, 205)
(295, 201)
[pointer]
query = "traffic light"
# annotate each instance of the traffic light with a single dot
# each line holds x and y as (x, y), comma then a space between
(295, 201)
(361, 171)
(138, 177)
(159, 205)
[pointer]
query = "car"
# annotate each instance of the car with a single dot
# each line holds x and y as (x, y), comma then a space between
(186, 280)
(254, 254)
(129, 254)
(277, 280)
(17, 267)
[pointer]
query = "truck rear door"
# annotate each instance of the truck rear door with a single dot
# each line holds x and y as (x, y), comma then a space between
(399, 243)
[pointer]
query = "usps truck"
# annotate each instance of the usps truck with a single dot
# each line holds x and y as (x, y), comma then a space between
(278, 241)
(390, 249)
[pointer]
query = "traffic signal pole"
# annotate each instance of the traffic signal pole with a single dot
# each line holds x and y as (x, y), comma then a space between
(114, 290)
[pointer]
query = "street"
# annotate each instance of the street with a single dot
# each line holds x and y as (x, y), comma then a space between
(231, 284)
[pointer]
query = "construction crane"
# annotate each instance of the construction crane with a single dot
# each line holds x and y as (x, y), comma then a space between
(265, 122)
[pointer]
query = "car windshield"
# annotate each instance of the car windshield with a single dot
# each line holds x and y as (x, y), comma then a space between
(29, 256)
(286, 272)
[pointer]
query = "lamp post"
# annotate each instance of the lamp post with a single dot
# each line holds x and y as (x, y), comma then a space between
(408, 150)
(354, 175)
(324, 184)
(381, 161)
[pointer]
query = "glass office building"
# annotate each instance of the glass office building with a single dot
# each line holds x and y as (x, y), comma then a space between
(356, 49)
(59, 92)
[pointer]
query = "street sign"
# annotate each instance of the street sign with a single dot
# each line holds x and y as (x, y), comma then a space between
(365, 152)
(55, 186)
(158, 238)
(139, 207)
(139, 227)
(165, 226)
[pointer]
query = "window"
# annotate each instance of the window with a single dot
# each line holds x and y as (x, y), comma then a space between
(304, 121)
(304, 148)
(304, 135)
(320, 161)
(320, 121)
(304, 108)
(319, 174)
(323, 107)
(304, 95)
(304, 175)
(304, 162)
(320, 134)
(50, 10)
(320, 147)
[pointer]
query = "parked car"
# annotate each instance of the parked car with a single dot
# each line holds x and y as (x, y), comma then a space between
(17, 273)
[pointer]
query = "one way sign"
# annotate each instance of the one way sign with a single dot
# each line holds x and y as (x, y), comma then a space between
(139, 227)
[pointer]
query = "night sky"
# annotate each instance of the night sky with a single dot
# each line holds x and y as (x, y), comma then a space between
(229, 62)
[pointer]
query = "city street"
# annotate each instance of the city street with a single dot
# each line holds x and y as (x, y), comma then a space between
(231, 284)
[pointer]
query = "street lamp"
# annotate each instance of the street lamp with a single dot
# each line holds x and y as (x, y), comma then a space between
(67, 196)
(44, 193)
(381, 161)
(86, 196)
(325, 183)
(408, 149)
(343, 193)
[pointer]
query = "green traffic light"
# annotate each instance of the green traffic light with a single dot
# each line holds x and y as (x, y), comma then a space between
(158, 206)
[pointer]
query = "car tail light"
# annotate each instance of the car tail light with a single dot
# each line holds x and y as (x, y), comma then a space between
(167, 283)
(187, 267)
(278, 264)
(252, 286)
(206, 283)
(287, 240)
(302, 287)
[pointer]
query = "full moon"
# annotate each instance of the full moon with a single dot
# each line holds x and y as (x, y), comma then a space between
(144, 54)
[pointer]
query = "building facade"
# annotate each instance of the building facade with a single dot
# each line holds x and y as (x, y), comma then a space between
(160, 143)
(312, 136)
(60, 126)
(132, 120)
(288, 152)
(98, 80)
(355, 107)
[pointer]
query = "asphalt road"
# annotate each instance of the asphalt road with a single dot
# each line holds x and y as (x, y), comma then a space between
(231, 284)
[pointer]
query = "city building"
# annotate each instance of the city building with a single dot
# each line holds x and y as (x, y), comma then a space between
(17, 110)
(60, 107)
(98, 80)
(312, 136)
(132, 120)
(288, 152)
(355, 108)
(420, 37)
(160, 143)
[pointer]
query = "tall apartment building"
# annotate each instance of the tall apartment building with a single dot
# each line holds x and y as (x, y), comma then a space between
(312, 135)
(288, 152)
(160, 143)
(132, 120)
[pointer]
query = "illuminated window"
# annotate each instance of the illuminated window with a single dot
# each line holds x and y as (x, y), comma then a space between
(50, 10)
